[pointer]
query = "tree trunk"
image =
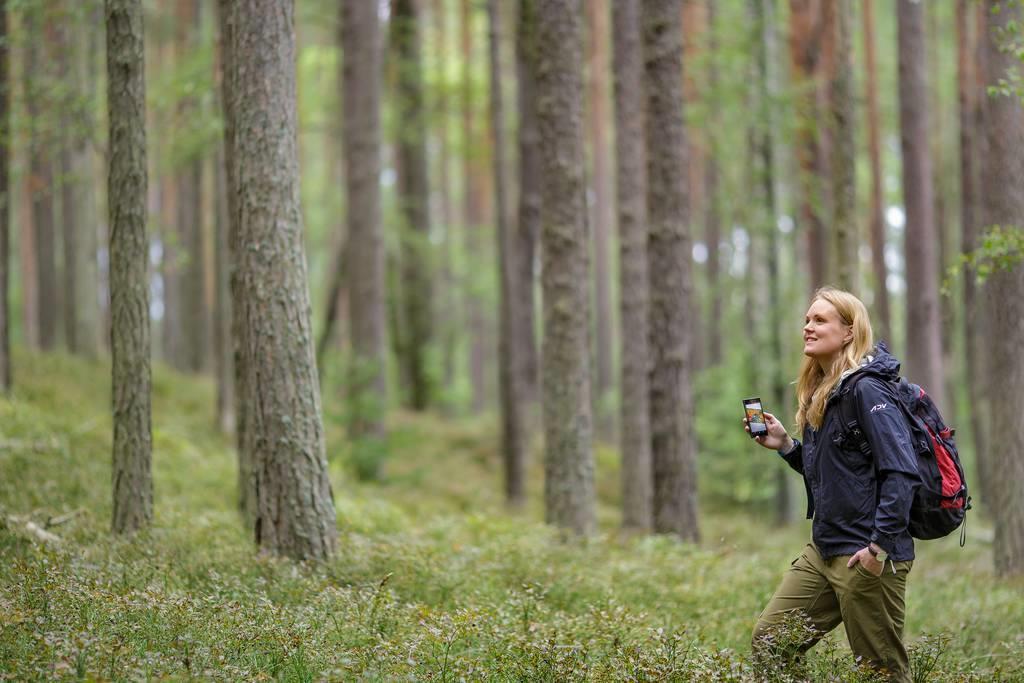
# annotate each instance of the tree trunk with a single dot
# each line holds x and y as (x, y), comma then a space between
(335, 296)
(189, 281)
(41, 187)
(473, 213)
(671, 324)
(361, 83)
(883, 317)
(448, 317)
(807, 33)
(226, 28)
(568, 464)
(84, 321)
(172, 344)
(843, 161)
(223, 355)
(970, 95)
(528, 230)
(129, 261)
(924, 340)
(713, 209)
(5, 205)
(635, 429)
(598, 119)
(1003, 205)
(762, 12)
(694, 25)
(511, 373)
(27, 264)
(292, 503)
(413, 200)
(68, 217)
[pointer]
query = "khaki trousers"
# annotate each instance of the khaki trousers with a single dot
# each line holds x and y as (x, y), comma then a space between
(828, 592)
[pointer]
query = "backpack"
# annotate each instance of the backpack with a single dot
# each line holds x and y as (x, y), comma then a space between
(941, 502)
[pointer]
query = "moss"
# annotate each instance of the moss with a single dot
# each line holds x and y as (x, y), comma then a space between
(433, 578)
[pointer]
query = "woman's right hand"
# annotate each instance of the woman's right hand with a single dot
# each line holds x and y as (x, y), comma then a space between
(777, 438)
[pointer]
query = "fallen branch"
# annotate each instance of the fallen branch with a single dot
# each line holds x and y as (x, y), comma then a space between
(32, 529)
(62, 519)
(41, 533)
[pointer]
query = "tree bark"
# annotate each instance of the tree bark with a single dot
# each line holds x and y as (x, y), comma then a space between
(970, 21)
(807, 25)
(876, 230)
(568, 465)
(843, 161)
(1003, 205)
(283, 441)
(5, 205)
(598, 120)
(671, 323)
(361, 83)
(413, 201)
(511, 373)
(129, 261)
(924, 332)
(635, 429)
(528, 230)
(226, 27)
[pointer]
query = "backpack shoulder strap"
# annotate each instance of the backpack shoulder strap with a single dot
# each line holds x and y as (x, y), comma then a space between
(850, 435)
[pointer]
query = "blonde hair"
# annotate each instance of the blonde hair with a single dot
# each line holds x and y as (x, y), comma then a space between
(814, 385)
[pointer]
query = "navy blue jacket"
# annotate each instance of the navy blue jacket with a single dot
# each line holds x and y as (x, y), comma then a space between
(856, 498)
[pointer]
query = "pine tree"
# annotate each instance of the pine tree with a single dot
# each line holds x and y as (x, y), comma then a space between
(129, 261)
(291, 503)
(672, 325)
(635, 430)
(568, 459)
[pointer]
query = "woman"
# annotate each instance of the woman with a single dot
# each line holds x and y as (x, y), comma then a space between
(855, 570)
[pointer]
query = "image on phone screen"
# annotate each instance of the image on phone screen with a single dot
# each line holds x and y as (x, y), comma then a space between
(755, 416)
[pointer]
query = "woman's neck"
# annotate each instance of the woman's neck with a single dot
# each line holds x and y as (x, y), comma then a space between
(828, 365)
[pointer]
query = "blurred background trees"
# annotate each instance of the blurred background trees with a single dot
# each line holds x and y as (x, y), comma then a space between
(862, 144)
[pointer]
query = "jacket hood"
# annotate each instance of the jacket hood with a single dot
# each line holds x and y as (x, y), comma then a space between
(878, 362)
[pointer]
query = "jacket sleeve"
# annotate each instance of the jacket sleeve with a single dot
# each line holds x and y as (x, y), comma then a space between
(884, 425)
(794, 458)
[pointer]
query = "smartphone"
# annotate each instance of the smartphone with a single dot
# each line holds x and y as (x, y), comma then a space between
(755, 417)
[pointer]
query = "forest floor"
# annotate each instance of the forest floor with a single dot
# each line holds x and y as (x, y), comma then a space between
(433, 579)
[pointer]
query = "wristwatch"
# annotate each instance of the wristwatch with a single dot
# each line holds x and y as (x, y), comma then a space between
(879, 555)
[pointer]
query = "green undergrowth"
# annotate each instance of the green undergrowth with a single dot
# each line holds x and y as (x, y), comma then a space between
(433, 579)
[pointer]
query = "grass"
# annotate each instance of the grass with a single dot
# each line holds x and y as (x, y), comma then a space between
(433, 580)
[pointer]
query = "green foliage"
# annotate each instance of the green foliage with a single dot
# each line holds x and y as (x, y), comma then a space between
(1010, 39)
(1001, 249)
(433, 580)
(733, 470)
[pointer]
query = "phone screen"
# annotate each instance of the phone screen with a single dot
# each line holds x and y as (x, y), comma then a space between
(755, 416)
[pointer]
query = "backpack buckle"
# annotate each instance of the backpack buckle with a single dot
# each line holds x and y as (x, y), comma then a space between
(860, 442)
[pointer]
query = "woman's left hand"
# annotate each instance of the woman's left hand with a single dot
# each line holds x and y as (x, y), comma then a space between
(869, 561)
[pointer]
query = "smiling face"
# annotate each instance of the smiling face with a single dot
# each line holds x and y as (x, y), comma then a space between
(825, 333)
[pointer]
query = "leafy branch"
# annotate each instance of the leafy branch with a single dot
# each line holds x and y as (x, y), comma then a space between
(1001, 248)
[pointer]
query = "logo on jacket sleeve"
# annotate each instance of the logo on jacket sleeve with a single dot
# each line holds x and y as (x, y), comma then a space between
(880, 406)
